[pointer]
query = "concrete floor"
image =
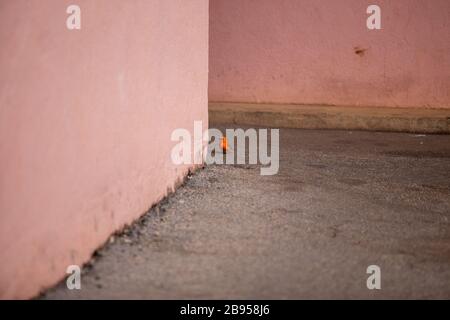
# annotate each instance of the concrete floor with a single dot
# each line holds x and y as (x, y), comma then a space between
(342, 201)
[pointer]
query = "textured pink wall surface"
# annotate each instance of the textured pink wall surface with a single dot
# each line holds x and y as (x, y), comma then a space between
(85, 124)
(304, 51)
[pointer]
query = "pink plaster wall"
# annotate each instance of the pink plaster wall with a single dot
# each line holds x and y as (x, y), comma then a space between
(85, 124)
(303, 51)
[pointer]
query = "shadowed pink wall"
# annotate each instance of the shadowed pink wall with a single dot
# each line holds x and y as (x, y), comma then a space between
(321, 52)
(85, 123)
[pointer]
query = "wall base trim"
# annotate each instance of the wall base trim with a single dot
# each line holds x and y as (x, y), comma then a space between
(416, 120)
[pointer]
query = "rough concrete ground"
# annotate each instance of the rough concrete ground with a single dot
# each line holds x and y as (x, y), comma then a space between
(342, 201)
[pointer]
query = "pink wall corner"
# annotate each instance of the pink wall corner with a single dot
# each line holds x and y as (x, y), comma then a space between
(85, 124)
(304, 51)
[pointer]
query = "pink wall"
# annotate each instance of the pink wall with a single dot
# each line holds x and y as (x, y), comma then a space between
(85, 124)
(303, 51)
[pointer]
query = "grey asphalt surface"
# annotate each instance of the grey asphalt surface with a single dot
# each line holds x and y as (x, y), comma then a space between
(341, 201)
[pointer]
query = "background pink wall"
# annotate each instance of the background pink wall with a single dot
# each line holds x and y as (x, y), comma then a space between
(85, 124)
(303, 51)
